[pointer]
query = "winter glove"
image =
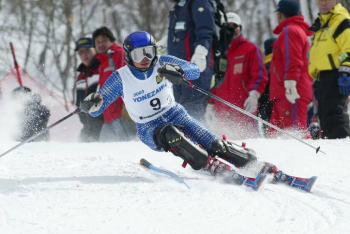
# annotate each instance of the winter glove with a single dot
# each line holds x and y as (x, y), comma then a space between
(172, 72)
(199, 57)
(91, 103)
(291, 90)
(344, 80)
(251, 103)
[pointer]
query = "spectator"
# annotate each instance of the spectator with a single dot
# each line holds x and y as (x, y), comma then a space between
(290, 84)
(265, 106)
(117, 126)
(330, 66)
(190, 36)
(86, 83)
(33, 115)
(244, 82)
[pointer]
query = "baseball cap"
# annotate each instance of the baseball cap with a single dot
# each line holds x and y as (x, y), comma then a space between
(84, 42)
(233, 18)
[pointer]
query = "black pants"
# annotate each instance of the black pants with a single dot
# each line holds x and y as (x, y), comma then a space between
(332, 107)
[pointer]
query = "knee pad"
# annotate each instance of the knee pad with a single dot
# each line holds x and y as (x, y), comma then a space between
(170, 138)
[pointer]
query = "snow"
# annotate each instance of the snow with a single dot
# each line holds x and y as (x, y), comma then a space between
(55, 187)
(53, 101)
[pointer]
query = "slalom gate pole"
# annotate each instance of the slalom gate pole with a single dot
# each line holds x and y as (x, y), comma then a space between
(205, 92)
(40, 133)
(19, 77)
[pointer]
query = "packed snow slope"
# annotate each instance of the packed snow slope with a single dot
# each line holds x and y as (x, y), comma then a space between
(100, 188)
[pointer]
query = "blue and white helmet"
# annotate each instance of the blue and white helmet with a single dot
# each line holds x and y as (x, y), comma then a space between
(139, 45)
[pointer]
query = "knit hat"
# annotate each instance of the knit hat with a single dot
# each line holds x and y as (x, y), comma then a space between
(84, 42)
(288, 7)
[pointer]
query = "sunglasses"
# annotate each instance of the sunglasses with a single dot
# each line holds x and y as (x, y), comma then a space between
(138, 54)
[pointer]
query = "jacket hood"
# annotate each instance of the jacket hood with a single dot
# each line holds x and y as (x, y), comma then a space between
(340, 9)
(237, 42)
(337, 10)
(294, 20)
(111, 50)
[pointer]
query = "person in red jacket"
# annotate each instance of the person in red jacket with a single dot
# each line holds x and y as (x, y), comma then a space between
(244, 81)
(290, 85)
(117, 126)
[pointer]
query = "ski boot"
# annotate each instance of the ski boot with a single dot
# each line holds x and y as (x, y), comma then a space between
(233, 153)
(215, 167)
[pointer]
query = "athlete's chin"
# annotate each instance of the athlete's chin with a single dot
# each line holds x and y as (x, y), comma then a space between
(145, 66)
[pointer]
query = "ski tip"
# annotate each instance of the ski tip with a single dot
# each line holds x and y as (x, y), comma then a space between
(310, 183)
(145, 163)
(187, 186)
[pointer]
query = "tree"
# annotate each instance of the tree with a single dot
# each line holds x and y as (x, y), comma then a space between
(45, 31)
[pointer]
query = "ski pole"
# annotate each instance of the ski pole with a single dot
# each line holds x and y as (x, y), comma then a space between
(150, 166)
(19, 78)
(251, 115)
(40, 133)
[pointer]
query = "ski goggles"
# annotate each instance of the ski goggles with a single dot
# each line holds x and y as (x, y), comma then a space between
(138, 54)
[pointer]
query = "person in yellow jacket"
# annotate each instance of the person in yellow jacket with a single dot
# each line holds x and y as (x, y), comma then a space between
(330, 67)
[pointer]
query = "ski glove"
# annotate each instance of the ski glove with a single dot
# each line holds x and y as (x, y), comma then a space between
(91, 103)
(251, 103)
(344, 80)
(172, 72)
(291, 90)
(199, 57)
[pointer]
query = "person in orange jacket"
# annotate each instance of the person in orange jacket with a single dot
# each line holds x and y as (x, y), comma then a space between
(290, 84)
(244, 82)
(111, 56)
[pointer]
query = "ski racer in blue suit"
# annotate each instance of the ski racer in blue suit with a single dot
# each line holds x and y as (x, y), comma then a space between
(145, 84)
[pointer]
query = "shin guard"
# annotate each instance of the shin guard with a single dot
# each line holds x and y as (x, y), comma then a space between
(170, 138)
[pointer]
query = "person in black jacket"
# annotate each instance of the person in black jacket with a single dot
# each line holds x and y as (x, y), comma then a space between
(86, 83)
(33, 115)
(265, 105)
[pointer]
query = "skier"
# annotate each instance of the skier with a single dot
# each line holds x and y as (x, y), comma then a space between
(161, 123)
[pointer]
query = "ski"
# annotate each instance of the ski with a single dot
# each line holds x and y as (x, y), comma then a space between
(279, 176)
(219, 166)
(150, 166)
(253, 182)
(233, 176)
(305, 184)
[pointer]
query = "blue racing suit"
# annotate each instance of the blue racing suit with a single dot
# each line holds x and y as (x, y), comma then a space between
(175, 114)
